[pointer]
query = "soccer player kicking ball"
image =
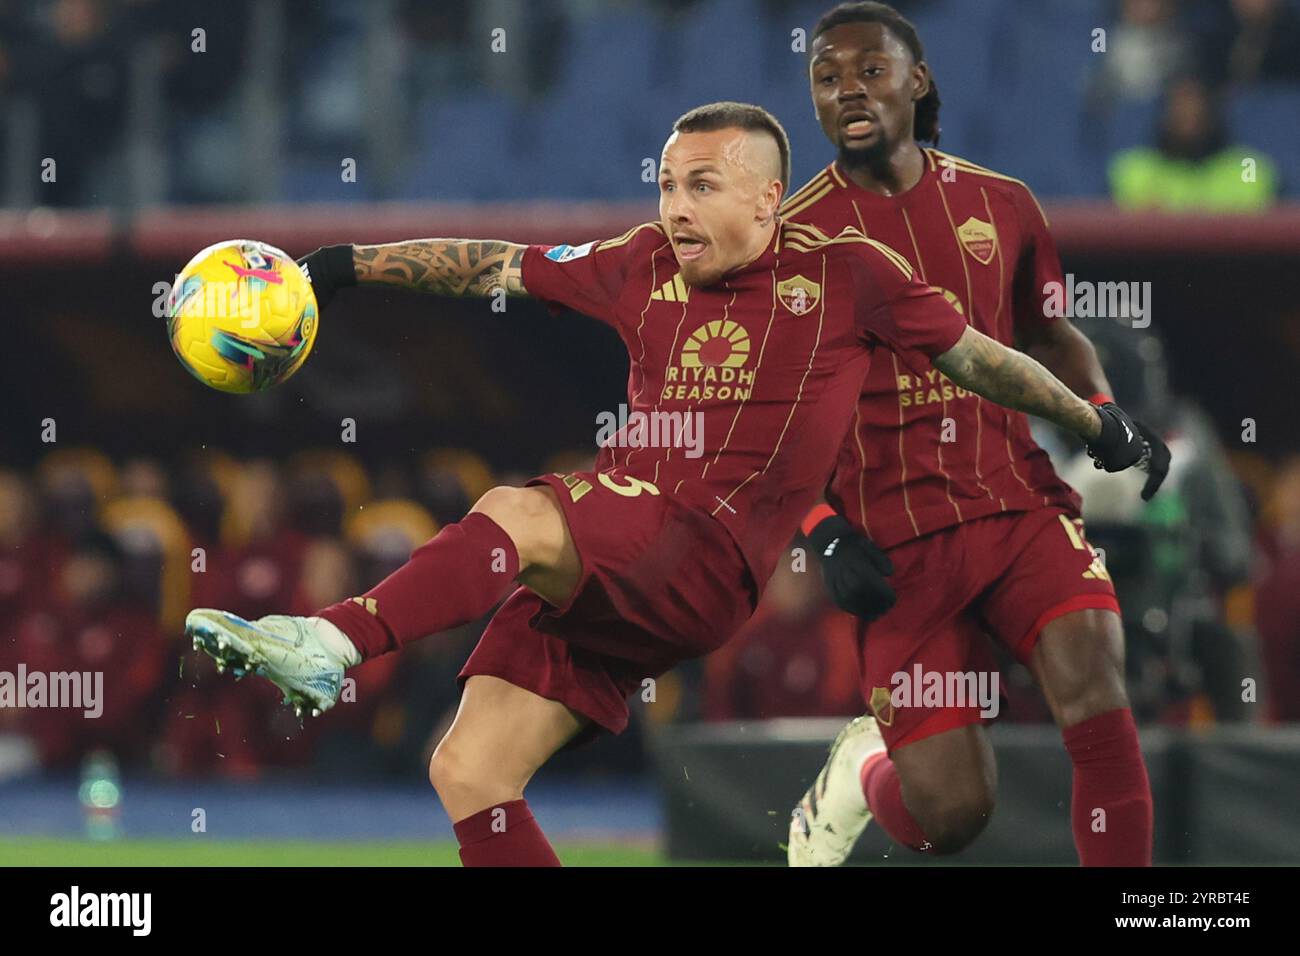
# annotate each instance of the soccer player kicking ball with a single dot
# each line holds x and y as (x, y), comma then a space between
(761, 329)
(947, 496)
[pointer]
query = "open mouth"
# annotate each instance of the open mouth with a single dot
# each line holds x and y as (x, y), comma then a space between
(690, 248)
(857, 125)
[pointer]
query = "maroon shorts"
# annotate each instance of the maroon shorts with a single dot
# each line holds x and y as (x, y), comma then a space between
(1005, 575)
(660, 583)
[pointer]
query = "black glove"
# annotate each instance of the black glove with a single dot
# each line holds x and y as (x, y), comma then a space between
(1157, 464)
(329, 269)
(1120, 443)
(854, 569)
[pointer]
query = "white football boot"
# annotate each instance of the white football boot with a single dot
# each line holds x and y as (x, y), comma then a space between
(303, 656)
(833, 812)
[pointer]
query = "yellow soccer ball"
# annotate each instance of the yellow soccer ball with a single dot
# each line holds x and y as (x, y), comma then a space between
(242, 316)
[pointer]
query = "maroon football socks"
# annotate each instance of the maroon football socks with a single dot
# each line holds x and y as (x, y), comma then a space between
(1110, 811)
(884, 793)
(506, 835)
(456, 577)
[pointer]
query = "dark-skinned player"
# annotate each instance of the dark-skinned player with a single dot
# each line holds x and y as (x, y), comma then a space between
(945, 522)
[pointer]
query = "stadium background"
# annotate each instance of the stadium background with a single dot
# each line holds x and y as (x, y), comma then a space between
(161, 149)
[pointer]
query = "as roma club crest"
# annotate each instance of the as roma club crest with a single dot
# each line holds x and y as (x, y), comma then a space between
(798, 294)
(980, 239)
(882, 705)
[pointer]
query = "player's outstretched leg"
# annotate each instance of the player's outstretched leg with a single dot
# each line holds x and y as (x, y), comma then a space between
(1078, 661)
(512, 534)
(934, 795)
(833, 812)
(501, 735)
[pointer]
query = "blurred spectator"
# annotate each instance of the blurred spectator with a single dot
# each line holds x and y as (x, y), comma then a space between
(1176, 559)
(1145, 49)
(201, 89)
(795, 658)
(327, 576)
(80, 88)
(317, 505)
(440, 56)
(87, 624)
(326, 487)
(72, 484)
(18, 575)
(1194, 167)
(443, 493)
(1277, 599)
(144, 478)
(1258, 43)
(266, 556)
(450, 480)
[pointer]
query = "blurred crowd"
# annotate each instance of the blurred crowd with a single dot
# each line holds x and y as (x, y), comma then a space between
(100, 561)
(137, 108)
(1191, 56)
(101, 556)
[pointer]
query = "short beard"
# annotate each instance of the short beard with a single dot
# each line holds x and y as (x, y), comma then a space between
(699, 278)
(874, 158)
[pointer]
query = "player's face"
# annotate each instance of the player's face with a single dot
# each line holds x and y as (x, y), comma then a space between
(716, 196)
(864, 87)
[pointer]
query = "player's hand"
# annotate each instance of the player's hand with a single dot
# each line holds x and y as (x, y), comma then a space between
(1157, 460)
(1120, 444)
(329, 268)
(855, 570)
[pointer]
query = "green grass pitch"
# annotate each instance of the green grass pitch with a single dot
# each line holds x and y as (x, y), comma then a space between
(201, 851)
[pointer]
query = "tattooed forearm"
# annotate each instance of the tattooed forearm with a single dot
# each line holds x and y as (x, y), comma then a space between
(462, 267)
(1015, 380)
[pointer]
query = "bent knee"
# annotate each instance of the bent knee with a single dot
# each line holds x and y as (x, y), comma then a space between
(452, 768)
(446, 769)
(506, 501)
(529, 516)
(952, 820)
(466, 783)
(958, 827)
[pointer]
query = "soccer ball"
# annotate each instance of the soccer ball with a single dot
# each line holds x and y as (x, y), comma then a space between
(242, 316)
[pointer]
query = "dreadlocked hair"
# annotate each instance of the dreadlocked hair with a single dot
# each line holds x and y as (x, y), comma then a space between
(926, 123)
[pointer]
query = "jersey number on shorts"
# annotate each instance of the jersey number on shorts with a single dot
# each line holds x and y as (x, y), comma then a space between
(580, 486)
(1074, 531)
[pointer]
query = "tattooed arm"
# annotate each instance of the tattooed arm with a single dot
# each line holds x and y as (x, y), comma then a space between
(1015, 380)
(458, 267)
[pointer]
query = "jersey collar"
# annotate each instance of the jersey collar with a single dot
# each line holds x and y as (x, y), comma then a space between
(842, 181)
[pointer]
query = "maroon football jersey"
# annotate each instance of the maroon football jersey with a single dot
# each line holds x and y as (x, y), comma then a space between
(766, 364)
(923, 453)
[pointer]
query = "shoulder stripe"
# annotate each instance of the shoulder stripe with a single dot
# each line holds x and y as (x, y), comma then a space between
(893, 256)
(966, 166)
(801, 242)
(628, 236)
(805, 228)
(804, 203)
(803, 191)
